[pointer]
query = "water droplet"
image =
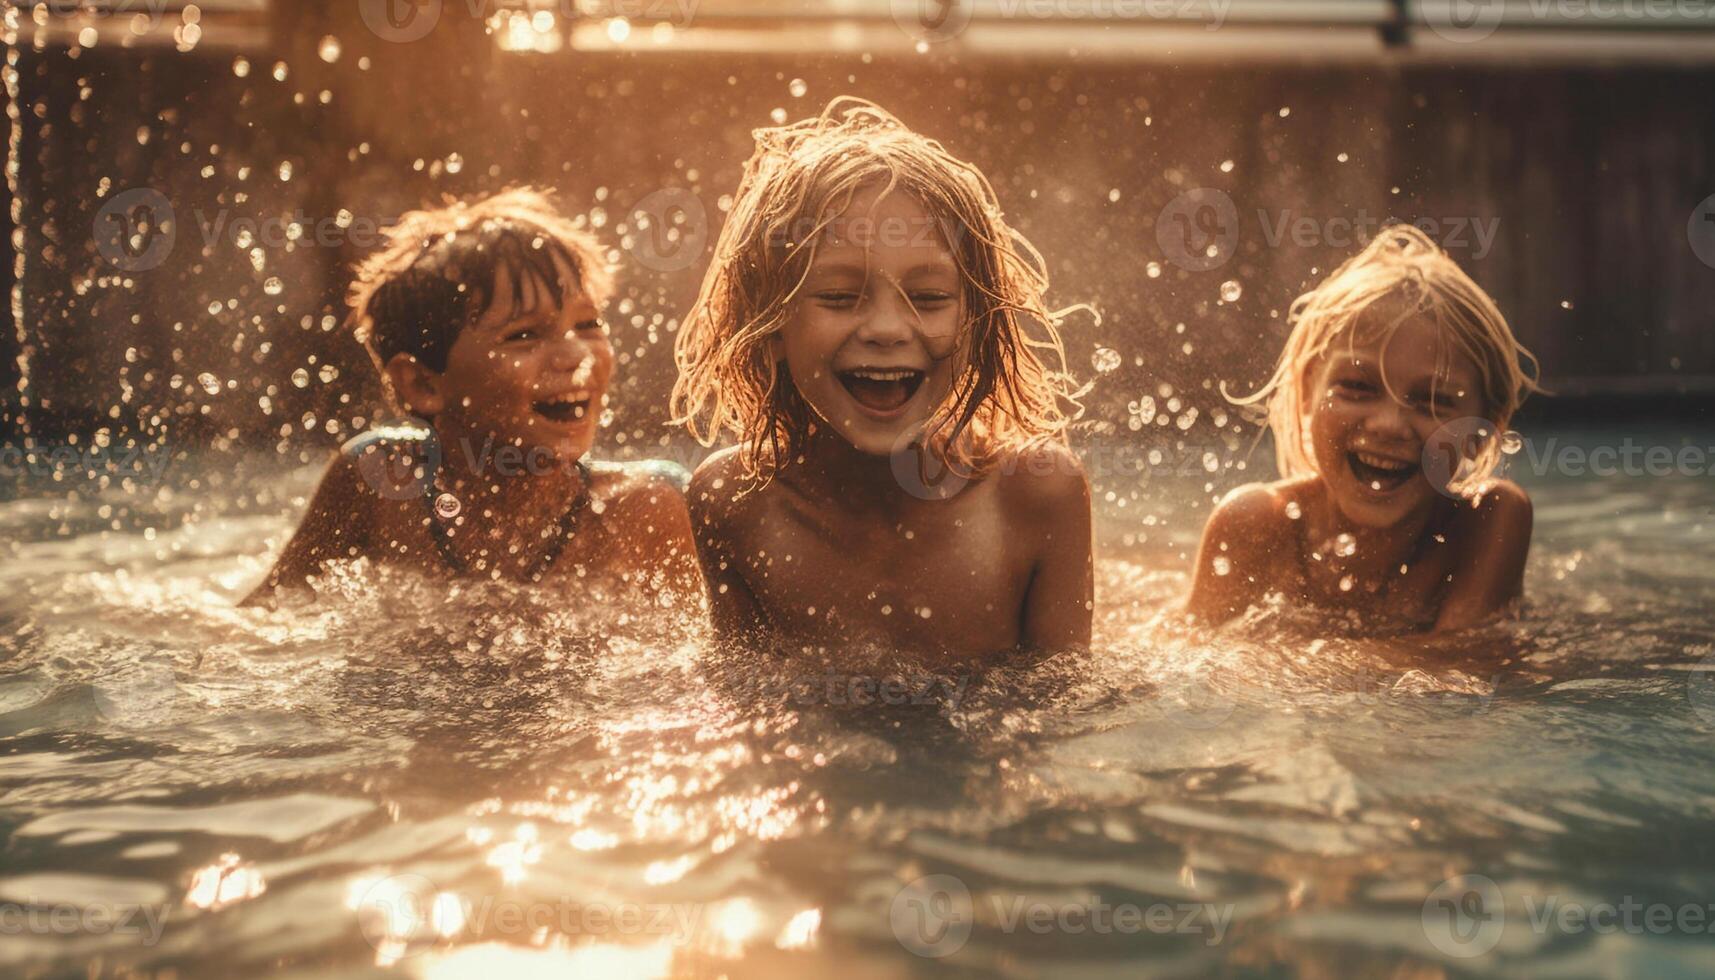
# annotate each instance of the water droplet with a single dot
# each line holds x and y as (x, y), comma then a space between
(1345, 583)
(778, 115)
(455, 163)
(1105, 359)
(285, 170)
(447, 506)
(1342, 158)
(1293, 511)
(209, 382)
(1285, 111)
(1566, 304)
(241, 67)
(1226, 166)
(1231, 290)
(329, 49)
(1143, 410)
(797, 88)
(1345, 545)
(301, 378)
(1221, 565)
(214, 308)
(327, 373)
(273, 286)
(1153, 270)
(1511, 442)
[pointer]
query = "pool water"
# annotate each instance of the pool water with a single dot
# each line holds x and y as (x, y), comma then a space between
(399, 782)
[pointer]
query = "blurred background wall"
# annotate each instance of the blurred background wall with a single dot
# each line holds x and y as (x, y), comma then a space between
(1568, 179)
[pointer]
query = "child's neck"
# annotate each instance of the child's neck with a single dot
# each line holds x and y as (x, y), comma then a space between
(1375, 552)
(834, 468)
(517, 483)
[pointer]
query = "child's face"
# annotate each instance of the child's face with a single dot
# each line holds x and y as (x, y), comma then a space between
(1369, 447)
(870, 340)
(532, 374)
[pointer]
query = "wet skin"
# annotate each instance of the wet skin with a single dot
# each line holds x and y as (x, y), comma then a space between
(1463, 559)
(519, 402)
(835, 553)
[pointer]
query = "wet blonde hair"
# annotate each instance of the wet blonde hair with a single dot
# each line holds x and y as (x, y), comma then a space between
(436, 272)
(1399, 275)
(1011, 387)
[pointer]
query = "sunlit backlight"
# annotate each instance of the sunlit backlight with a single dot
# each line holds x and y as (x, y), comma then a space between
(733, 925)
(666, 872)
(513, 856)
(554, 963)
(223, 883)
(618, 29)
(800, 931)
(519, 31)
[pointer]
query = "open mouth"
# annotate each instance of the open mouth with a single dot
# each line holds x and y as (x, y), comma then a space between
(1380, 473)
(569, 407)
(881, 390)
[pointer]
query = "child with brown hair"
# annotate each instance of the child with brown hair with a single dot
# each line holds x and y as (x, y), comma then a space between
(1388, 408)
(874, 336)
(484, 322)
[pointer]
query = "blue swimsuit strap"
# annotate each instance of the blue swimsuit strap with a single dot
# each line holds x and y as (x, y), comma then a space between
(567, 526)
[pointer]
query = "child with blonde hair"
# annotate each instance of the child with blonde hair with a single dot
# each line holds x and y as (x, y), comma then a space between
(874, 337)
(1388, 408)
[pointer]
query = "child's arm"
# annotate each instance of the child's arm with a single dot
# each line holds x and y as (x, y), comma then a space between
(335, 524)
(1496, 540)
(733, 609)
(1060, 602)
(1236, 558)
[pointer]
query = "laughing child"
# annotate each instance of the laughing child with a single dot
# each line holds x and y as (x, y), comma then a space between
(1387, 409)
(874, 337)
(483, 319)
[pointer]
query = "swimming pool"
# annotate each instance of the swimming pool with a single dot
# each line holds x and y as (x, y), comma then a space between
(404, 783)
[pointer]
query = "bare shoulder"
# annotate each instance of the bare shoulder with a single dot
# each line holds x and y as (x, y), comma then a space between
(1500, 509)
(1258, 513)
(1043, 479)
(720, 493)
(641, 488)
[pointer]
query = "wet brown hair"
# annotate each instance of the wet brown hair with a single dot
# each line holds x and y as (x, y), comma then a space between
(1011, 387)
(434, 275)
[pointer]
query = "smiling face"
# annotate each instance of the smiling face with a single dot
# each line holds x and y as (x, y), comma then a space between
(533, 373)
(870, 341)
(1369, 446)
